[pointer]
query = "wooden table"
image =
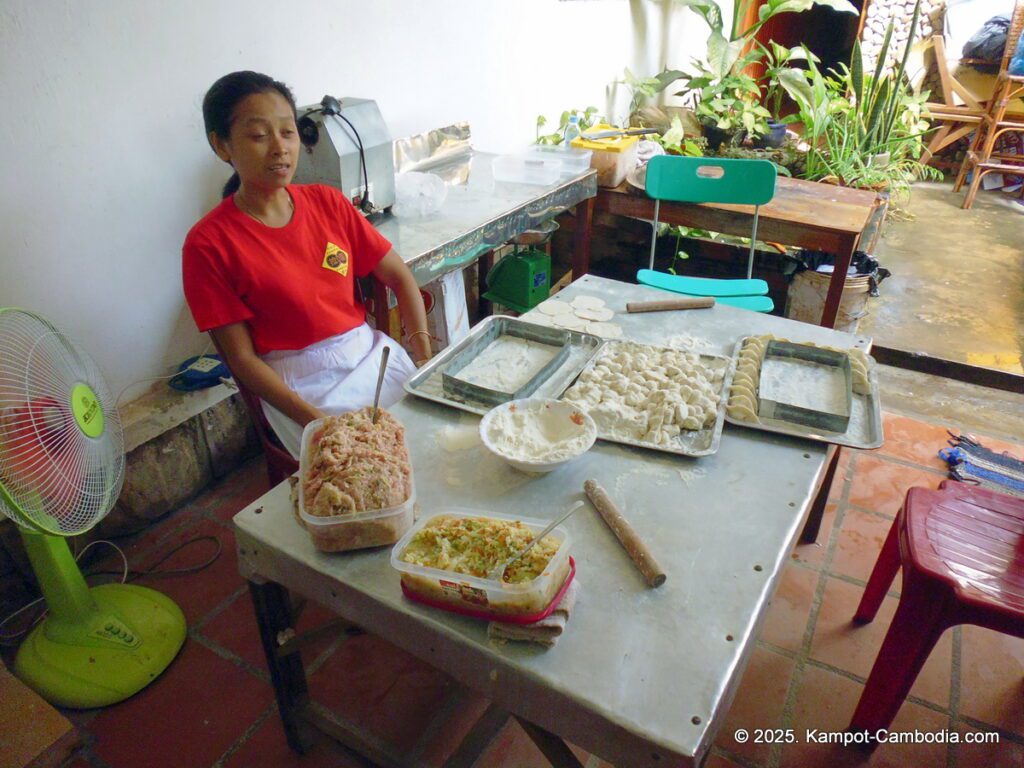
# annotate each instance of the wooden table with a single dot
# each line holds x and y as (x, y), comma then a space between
(807, 214)
(644, 677)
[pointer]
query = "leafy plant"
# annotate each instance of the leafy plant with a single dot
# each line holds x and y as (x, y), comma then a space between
(588, 118)
(781, 78)
(643, 89)
(675, 142)
(730, 103)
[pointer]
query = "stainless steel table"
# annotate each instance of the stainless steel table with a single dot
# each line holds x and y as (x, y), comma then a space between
(478, 215)
(642, 677)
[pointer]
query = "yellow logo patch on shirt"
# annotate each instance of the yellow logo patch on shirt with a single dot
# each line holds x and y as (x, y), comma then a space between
(335, 259)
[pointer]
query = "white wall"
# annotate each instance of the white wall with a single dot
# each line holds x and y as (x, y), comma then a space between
(105, 162)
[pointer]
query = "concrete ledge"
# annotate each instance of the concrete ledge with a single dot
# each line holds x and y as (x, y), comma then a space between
(32, 733)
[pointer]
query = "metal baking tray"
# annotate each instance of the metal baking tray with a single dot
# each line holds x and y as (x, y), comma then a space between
(503, 326)
(783, 406)
(864, 429)
(427, 382)
(702, 442)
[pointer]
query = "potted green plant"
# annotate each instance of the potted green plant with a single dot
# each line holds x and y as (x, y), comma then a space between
(781, 79)
(728, 106)
(729, 54)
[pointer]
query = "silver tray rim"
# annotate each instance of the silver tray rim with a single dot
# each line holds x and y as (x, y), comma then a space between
(716, 436)
(412, 384)
(835, 439)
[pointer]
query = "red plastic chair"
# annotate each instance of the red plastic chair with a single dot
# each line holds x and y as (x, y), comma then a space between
(280, 463)
(962, 552)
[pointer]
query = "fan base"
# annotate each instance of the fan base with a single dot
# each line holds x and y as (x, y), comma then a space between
(86, 673)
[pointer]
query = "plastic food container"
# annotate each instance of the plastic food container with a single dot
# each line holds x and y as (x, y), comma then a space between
(486, 598)
(340, 533)
(526, 169)
(612, 158)
(574, 161)
(556, 419)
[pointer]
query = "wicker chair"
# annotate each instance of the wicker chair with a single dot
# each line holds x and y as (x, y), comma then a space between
(981, 159)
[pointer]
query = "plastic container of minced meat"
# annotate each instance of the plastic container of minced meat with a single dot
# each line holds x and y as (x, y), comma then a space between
(340, 533)
(486, 598)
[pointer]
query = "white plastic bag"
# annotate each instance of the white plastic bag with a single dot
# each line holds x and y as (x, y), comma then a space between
(418, 194)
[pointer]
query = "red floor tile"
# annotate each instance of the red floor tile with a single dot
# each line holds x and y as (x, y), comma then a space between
(842, 644)
(915, 441)
(137, 546)
(234, 629)
(881, 485)
(720, 761)
(267, 748)
(237, 490)
(846, 460)
(825, 702)
(813, 554)
(377, 686)
(197, 593)
(1000, 754)
(512, 749)
(759, 703)
(467, 710)
(786, 622)
(860, 540)
(190, 716)
(992, 678)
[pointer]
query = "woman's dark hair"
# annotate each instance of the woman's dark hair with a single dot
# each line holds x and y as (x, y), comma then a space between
(222, 98)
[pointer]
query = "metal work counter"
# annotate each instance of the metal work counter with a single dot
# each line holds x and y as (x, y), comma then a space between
(642, 677)
(478, 216)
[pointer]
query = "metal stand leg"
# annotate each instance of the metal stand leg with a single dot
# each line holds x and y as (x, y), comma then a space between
(554, 748)
(273, 615)
(813, 524)
(581, 238)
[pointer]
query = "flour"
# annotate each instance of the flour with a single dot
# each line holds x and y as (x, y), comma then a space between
(458, 437)
(691, 343)
(507, 364)
(803, 383)
(538, 432)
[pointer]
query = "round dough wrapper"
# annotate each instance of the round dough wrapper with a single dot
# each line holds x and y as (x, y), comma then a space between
(601, 314)
(570, 322)
(606, 330)
(554, 307)
(538, 318)
(587, 302)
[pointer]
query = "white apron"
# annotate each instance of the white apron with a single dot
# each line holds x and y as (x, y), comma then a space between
(337, 375)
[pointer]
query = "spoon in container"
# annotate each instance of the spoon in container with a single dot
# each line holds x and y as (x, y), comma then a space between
(497, 573)
(380, 382)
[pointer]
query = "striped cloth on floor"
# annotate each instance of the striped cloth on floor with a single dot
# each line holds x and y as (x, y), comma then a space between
(971, 462)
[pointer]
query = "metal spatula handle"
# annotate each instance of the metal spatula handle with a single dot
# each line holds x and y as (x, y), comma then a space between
(380, 382)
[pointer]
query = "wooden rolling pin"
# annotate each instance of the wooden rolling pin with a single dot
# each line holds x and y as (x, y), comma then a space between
(690, 302)
(624, 532)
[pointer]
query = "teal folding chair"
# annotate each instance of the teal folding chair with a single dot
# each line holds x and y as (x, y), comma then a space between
(710, 180)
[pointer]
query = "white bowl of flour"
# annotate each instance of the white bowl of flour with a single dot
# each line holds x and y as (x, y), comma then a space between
(538, 435)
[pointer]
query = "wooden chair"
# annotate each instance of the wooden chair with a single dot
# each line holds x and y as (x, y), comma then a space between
(981, 160)
(280, 463)
(710, 180)
(961, 549)
(955, 120)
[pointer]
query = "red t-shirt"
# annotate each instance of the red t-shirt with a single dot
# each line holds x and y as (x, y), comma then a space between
(293, 285)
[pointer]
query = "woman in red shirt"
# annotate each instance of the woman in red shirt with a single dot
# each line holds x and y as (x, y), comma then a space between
(270, 272)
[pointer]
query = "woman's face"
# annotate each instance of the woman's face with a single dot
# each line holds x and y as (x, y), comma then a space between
(264, 143)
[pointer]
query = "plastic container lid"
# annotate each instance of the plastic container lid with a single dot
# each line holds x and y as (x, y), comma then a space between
(526, 169)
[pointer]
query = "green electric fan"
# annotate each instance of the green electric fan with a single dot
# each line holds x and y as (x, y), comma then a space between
(61, 470)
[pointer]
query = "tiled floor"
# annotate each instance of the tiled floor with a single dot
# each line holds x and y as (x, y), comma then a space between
(214, 706)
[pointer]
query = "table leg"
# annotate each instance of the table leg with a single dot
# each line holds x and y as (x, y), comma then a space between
(273, 616)
(581, 238)
(813, 524)
(381, 315)
(483, 268)
(555, 749)
(844, 258)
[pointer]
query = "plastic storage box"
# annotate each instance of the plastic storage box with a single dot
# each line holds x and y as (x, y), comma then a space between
(612, 158)
(339, 533)
(574, 161)
(526, 169)
(481, 597)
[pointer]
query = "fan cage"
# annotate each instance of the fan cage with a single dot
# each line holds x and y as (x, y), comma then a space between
(54, 478)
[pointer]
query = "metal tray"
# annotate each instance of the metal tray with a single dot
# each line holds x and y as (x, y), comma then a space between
(503, 326)
(864, 431)
(702, 442)
(427, 382)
